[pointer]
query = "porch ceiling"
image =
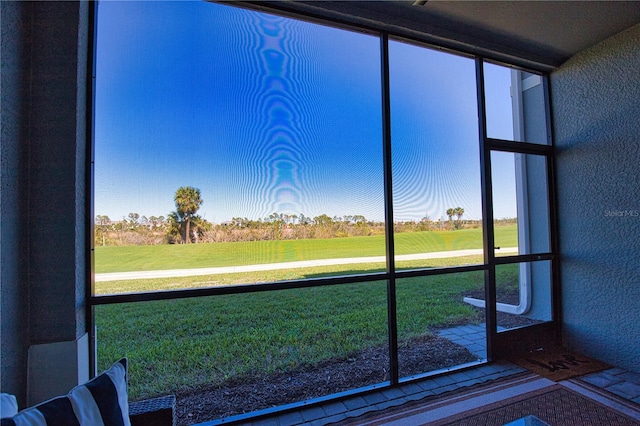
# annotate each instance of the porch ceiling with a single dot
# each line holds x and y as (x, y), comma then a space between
(542, 33)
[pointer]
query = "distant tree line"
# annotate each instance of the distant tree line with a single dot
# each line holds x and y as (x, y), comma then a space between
(184, 226)
(142, 230)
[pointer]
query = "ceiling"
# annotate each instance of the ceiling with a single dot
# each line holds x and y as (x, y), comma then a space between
(542, 34)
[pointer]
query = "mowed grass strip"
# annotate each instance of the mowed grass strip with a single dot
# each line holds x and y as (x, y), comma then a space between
(187, 343)
(185, 256)
(177, 283)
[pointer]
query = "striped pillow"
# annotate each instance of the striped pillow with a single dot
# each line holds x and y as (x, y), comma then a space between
(100, 401)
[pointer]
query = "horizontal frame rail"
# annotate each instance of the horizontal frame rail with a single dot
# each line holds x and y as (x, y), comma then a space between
(274, 286)
(518, 147)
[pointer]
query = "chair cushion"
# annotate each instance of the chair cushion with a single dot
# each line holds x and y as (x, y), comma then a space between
(100, 401)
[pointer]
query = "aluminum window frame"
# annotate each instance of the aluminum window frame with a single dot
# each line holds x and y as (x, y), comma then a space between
(485, 144)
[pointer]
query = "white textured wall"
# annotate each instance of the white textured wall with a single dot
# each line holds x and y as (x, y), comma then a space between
(596, 113)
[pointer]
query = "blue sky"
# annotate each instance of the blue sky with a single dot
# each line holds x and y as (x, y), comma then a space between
(266, 114)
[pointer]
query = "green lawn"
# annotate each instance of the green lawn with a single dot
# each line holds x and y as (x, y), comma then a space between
(181, 344)
(182, 256)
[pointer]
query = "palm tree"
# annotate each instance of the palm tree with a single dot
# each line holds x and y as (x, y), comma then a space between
(188, 201)
(174, 228)
(458, 211)
(451, 212)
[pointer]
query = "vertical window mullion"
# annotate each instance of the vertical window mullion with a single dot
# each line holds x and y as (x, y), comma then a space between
(487, 212)
(556, 295)
(89, 191)
(388, 204)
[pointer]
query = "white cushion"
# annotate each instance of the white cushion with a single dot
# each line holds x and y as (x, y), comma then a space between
(100, 401)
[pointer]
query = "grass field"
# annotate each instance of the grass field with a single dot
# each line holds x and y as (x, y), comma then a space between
(186, 343)
(182, 256)
(183, 344)
(178, 344)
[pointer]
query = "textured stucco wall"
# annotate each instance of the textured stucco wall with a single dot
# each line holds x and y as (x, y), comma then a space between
(14, 18)
(57, 137)
(596, 113)
(43, 233)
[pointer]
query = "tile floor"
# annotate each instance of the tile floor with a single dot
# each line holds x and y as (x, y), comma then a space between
(617, 381)
(614, 380)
